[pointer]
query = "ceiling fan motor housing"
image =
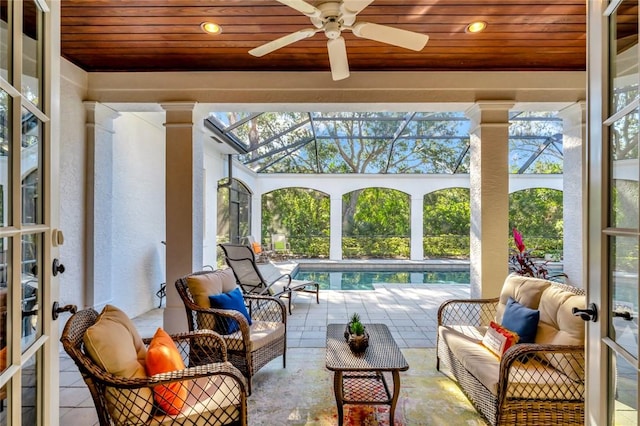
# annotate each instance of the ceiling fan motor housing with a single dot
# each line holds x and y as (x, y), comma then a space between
(332, 29)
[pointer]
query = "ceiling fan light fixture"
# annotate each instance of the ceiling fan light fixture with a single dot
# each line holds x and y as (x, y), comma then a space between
(476, 27)
(211, 28)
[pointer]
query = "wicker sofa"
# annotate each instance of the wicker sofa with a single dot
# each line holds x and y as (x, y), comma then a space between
(540, 383)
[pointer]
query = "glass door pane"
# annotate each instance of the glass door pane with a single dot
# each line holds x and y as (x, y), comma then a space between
(623, 252)
(623, 391)
(31, 289)
(5, 41)
(31, 52)
(30, 168)
(6, 105)
(623, 65)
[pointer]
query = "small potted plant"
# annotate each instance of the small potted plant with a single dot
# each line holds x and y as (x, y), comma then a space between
(356, 335)
(347, 330)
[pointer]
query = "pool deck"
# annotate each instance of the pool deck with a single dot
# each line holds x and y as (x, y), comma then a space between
(409, 310)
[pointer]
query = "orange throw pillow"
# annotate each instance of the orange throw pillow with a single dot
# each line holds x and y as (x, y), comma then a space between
(498, 339)
(257, 249)
(163, 357)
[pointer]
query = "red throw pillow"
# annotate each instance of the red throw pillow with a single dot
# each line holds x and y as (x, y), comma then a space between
(498, 339)
(163, 357)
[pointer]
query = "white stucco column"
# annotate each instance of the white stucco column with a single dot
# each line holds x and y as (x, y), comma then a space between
(335, 240)
(98, 262)
(184, 208)
(574, 180)
(417, 214)
(256, 216)
(489, 183)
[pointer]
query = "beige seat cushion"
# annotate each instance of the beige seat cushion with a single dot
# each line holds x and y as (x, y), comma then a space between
(114, 344)
(531, 380)
(261, 334)
(558, 326)
(210, 398)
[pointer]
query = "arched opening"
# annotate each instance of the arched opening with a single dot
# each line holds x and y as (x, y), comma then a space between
(376, 223)
(446, 223)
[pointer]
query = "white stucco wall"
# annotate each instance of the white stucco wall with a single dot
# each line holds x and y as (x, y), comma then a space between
(138, 208)
(73, 90)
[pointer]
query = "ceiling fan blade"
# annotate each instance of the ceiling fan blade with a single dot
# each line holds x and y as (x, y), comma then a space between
(302, 7)
(338, 58)
(353, 7)
(281, 42)
(390, 35)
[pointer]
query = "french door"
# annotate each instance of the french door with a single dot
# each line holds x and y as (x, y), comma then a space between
(614, 213)
(28, 340)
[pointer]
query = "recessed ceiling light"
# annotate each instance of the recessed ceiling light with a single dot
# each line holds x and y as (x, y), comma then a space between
(476, 27)
(211, 28)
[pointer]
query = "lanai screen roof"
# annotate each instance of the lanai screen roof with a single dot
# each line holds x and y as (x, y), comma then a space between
(380, 142)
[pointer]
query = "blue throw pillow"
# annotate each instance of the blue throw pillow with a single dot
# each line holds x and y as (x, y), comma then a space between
(522, 320)
(231, 300)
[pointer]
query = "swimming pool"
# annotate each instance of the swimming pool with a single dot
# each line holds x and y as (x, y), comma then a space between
(364, 280)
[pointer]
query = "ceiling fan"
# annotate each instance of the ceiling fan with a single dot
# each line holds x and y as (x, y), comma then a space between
(333, 17)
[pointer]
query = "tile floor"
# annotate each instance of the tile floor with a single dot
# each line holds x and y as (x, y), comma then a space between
(410, 312)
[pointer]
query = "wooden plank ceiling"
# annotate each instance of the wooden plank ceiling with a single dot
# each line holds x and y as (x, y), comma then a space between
(165, 35)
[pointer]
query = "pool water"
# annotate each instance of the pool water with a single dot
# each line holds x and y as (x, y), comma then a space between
(364, 280)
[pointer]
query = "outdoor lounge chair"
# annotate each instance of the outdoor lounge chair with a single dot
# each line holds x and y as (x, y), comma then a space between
(243, 263)
(279, 245)
(262, 255)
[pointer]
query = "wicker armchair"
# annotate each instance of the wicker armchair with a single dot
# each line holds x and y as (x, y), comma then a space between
(535, 383)
(216, 392)
(251, 347)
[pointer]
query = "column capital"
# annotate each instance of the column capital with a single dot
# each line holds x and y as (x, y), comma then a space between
(100, 115)
(490, 113)
(179, 114)
(489, 105)
(179, 106)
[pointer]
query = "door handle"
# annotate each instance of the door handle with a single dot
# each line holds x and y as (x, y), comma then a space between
(625, 315)
(57, 267)
(57, 310)
(589, 314)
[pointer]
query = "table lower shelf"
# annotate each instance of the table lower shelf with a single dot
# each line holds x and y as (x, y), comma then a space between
(365, 388)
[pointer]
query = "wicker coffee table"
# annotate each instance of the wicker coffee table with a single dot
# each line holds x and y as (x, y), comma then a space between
(359, 378)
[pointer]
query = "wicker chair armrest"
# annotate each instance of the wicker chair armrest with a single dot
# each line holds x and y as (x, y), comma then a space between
(266, 308)
(467, 311)
(567, 360)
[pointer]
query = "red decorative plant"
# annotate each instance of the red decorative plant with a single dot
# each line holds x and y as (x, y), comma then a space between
(522, 263)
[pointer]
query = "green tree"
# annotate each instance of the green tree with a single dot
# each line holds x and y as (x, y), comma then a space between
(302, 215)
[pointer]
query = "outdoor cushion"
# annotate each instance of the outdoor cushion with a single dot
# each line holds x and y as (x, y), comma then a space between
(498, 339)
(261, 334)
(522, 320)
(203, 286)
(558, 326)
(227, 278)
(231, 300)
(111, 343)
(524, 290)
(532, 380)
(162, 357)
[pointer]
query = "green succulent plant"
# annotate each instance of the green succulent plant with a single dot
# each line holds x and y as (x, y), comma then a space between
(357, 328)
(354, 318)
